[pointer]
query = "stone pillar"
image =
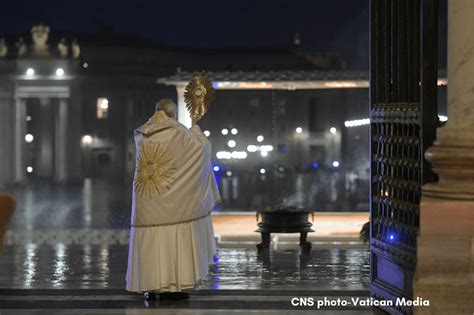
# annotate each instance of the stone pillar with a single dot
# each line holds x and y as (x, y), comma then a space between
(445, 254)
(6, 139)
(20, 132)
(183, 115)
(60, 145)
(44, 166)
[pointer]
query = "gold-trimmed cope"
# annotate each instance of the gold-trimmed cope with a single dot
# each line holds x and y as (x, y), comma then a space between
(154, 170)
(198, 95)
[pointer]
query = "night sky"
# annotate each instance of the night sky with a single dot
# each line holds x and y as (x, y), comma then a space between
(245, 23)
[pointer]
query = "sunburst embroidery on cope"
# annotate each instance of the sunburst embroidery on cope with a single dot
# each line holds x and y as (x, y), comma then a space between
(154, 170)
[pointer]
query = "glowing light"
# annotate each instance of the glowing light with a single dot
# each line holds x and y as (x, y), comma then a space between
(260, 138)
(85, 65)
(357, 122)
(207, 133)
(224, 131)
(340, 84)
(264, 153)
(252, 148)
(29, 169)
(104, 104)
(366, 121)
(28, 118)
(255, 85)
(231, 143)
(216, 168)
(392, 237)
(442, 82)
(333, 130)
(281, 169)
(299, 130)
(224, 155)
(59, 71)
(87, 139)
(262, 171)
(239, 155)
(30, 71)
(335, 164)
(228, 173)
(315, 165)
(234, 131)
(29, 138)
(266, 148)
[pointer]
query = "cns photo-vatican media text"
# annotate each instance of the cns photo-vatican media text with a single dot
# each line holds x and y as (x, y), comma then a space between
(328, 302)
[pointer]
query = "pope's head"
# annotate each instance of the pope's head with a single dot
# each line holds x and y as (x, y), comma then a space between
(168, 106)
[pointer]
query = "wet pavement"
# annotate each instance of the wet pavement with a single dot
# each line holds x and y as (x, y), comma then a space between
(62, 266)
(89, 277)
(67, 250)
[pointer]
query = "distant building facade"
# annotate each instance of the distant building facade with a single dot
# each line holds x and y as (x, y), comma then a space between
(79, 97)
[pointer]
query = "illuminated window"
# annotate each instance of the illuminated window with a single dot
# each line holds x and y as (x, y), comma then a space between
(102, 107)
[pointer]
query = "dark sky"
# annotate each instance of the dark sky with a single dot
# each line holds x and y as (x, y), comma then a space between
(193, 23)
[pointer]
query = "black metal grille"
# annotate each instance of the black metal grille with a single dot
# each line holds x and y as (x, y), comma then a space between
(403, 122)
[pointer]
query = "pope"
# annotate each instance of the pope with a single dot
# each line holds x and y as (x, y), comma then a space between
(174, 191)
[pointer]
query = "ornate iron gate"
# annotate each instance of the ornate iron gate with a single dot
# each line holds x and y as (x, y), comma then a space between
(403, 110)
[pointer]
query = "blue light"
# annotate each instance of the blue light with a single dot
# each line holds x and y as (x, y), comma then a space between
(216, 168)
(315, 165)
(392, 237)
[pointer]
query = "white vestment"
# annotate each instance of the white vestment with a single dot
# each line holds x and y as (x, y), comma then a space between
(174, 191)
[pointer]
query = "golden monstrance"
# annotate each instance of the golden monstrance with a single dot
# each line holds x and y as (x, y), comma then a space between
(199, 95)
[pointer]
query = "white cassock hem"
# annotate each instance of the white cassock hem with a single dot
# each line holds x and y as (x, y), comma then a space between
(170, 258)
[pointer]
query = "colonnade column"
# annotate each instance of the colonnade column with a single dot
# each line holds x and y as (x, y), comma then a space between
(60, 150)
(445, 250)
(6, 139)
(183, 115)
(19, 140)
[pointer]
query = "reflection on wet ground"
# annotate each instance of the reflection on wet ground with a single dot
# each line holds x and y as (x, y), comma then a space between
(78, 259)
(54, 279)
(103, 267)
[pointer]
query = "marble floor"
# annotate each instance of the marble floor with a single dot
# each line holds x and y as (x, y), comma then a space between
(49, 278)
(72, 267)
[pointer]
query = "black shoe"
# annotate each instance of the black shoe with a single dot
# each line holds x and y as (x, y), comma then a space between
(150, 296)
(173, 296)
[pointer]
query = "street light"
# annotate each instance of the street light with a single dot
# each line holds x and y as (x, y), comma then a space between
(59, 71)
(234, 131)
(86, 140)
(30, 71)
(262, 171)
(299, 130)
(252, 148)
(207, 133)
(29, 138)
(104, 103)
(231, 143)
(224, 131)
(335, 164)
(260, 138)
(333, 130)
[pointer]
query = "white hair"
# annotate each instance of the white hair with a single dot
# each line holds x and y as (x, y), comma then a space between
(168, 106)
